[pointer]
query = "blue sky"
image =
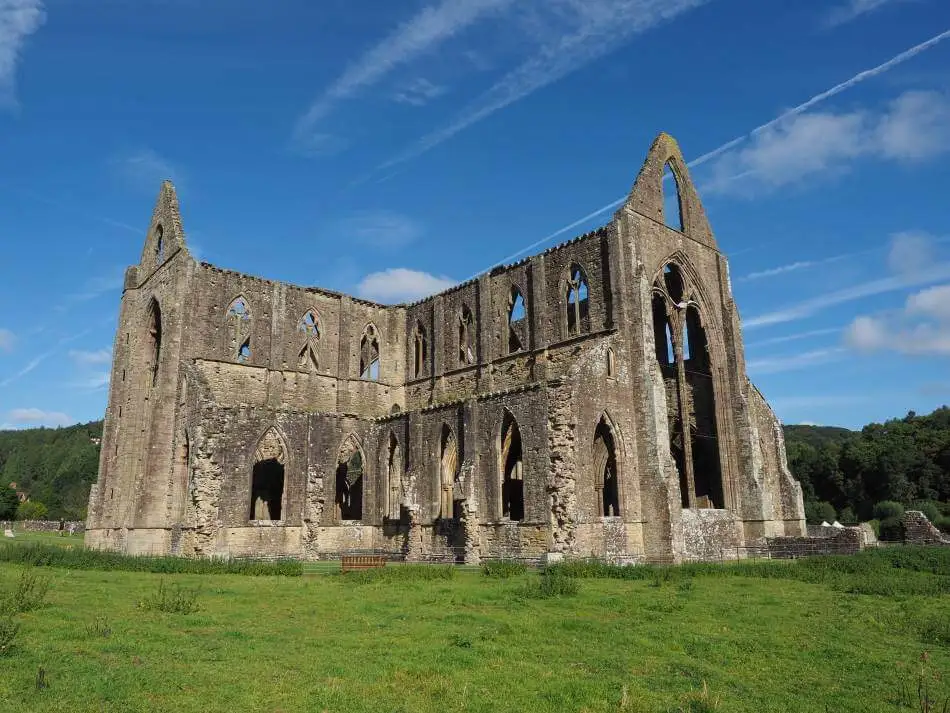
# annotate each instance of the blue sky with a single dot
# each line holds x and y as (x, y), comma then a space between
(389, 149)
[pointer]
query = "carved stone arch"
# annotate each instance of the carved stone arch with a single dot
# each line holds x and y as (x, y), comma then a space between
(350, 478)
(164, 230)
(574, 301)
(268, 476)
(466, 335)
(310, 328)
(516, 320)
(646, 196)
(153, 341)
(608, 456)
(510, 467)
(238, 318)
(369, 353)
(395, 476)
(449, 466)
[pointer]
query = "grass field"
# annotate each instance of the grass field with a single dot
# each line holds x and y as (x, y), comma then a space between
(395, 642)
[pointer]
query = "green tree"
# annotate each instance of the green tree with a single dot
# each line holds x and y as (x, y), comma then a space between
(8, 503)
(31, 510)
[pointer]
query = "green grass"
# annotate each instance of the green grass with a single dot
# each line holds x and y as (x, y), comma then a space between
(397, 641)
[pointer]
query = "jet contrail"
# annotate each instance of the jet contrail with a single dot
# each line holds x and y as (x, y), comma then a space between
(817, 99)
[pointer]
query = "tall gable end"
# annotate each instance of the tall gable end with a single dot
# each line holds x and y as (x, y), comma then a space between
(647, 195)
(165, 233)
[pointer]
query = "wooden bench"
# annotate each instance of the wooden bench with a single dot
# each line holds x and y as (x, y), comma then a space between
(349, 563)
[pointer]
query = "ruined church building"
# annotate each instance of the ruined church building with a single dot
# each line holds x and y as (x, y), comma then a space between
(591, 400)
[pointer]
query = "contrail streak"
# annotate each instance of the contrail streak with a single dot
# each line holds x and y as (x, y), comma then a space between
(709, 155)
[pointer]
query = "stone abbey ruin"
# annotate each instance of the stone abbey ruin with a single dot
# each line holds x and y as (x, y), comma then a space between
(591, 400)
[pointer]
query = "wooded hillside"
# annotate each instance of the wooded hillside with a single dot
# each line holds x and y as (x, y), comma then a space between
(906, 460)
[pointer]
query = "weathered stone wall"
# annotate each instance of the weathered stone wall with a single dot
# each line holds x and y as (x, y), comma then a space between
(198, 404)
(845, 541)
(918, 530)
(74, 526)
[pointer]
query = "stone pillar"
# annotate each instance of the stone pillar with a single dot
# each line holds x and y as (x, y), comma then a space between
(470, 536)
(412, 549)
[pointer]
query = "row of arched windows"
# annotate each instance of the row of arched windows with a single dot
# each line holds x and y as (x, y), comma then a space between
(267, 476)
(576, 322)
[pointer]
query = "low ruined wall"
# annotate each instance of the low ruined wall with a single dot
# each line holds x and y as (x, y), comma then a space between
(844, 541)
(77, 527)
(918, 530)
(710, 534)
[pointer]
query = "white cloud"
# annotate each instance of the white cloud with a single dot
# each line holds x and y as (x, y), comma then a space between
(774, 365)
(399, 284)
(921, 328)
(95, 286)
(910, 251)
(858, 78)
(780, 270)
(913, 127)
(100, 356)
(7, 339)
(379, 229)
(851, 10)
(38, 417)
(147, 169)
(95, 382)
(419, 92)
(18, 20)
(792, 337)
(570, 36)
(927, 274)
(422, 34)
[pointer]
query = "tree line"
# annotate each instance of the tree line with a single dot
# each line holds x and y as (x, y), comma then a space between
(851, 476)
(55, 467)
(856, 476)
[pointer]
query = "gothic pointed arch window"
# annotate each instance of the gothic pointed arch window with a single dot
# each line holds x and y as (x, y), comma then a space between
(672, 199)
(159, 244)
(369, 354)
(578, 302)
(511, 466)
(420, 350)
(448, 473)
(606, 478)
(267, 477)
(517, 322)
(239, 329)
(466, 328)
(154, 342)
(682, 351)
(309, 329)
(394, 477)
(349, 481)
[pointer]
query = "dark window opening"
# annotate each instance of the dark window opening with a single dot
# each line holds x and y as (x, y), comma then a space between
(606, 478)
(661, 328)
(448, 474)
(698, 354)
(517, 322)
(578, 303)
(349, 487)
(395, 409)
(466, 337)
(159, 244)
(512, 463)
(309, 326)
(267, 490)
(679, 460)
(611, 367)
(369, 355)
(420, 350)
(154, 342)
(706, 470)
(673, 282)
(672, 200)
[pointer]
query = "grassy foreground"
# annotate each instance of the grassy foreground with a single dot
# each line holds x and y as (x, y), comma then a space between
(466, 642)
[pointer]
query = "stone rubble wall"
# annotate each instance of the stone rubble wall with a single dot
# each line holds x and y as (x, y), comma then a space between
(77, 526)
(918, 530)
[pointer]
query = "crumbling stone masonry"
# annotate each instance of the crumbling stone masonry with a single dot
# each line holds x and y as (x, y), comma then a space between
(590, 400)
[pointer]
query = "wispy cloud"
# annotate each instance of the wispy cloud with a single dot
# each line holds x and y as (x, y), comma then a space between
(913, 127)
(87, 358)
(94, 382)
(422, 34)
(7, 340)
(379, 229)
(40, 358)
(18, 20)
(418, 92)
(793, 337)
(719, 150)
(146, 169)
(594, 28)
(930, 273)
(791, 362)
(780, 270)
(38, 417)
(95, 286)
(852, 10)
(399, 284)
(922, 327)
